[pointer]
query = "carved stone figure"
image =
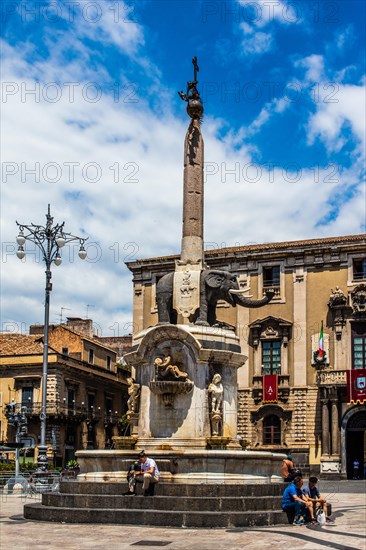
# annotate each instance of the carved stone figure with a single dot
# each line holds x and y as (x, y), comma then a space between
(215, 285)
(134, 394)
(168, 371)
(358, 298)
(216, 390)
(337, 298)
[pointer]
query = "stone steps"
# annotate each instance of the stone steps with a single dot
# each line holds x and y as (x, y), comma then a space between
(195, 506)
(176, 489)
(166, 518)
(209, 504)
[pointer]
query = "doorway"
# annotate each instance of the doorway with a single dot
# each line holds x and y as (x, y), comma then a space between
(356, 444)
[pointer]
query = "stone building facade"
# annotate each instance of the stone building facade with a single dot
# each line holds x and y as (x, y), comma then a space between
(86, 388)
(318, 281)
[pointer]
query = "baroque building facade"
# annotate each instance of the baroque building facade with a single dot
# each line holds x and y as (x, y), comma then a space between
(86, 387)
(319, 290)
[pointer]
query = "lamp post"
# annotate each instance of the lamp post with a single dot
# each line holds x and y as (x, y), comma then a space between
(19, 420)
(49, 239)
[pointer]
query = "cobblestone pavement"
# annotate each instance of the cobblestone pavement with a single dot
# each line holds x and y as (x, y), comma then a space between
(349, 511)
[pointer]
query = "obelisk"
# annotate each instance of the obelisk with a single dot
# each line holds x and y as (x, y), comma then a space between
(192, 239)
(189, 267)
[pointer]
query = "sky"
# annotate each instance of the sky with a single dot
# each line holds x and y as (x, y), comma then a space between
(91, 123)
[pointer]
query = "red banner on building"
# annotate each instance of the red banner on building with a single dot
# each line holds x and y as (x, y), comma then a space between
(356, 386)
(270, 384)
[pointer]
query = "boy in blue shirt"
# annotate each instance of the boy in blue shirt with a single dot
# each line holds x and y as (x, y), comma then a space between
(293, 500)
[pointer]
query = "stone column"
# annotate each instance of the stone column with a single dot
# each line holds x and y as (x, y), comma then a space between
(335, 430)
(192, 241)
(325, 427)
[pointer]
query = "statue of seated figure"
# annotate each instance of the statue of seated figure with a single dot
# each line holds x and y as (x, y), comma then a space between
(166, 370)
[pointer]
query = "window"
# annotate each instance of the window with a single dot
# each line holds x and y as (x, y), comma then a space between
(70, 398)
(359, 269)
(91, 402)
(70, 435)
(109, 361)
(271, 357)
(359, 345)
(272, 430)
(27, 396)
(271, 276)
(65, 351)
(108, 405)
(91, 356)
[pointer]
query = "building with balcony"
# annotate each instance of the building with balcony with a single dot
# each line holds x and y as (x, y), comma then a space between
(86, 387)
(317, 282)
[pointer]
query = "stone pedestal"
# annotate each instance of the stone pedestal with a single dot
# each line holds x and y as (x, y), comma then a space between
(330, 467)
(176, 412)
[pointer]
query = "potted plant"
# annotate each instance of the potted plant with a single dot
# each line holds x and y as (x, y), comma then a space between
(72, 469)
(73, 465)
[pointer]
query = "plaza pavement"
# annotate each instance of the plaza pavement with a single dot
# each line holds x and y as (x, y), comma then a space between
(349, 511)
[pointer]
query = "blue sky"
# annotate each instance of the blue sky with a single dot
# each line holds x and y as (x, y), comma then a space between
(93, 124)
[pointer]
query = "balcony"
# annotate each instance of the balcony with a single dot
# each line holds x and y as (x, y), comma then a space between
(273, 287)
(332, 378)
(54, 409)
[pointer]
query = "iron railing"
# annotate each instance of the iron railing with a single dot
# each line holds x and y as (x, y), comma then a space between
(70, 412)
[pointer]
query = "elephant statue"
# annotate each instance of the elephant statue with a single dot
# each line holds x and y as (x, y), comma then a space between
(215, 285)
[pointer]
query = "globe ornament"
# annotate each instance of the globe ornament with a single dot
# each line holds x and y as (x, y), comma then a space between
(195, 109)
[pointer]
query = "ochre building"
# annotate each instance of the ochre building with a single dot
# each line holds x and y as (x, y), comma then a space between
(86, 388)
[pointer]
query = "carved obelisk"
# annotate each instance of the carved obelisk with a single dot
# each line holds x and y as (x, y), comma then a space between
(188, 268)
(192, 240)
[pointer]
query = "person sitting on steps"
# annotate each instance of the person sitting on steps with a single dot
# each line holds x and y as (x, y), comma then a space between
(311, 492)
(148, 476)
(294, 503)
(288, 470)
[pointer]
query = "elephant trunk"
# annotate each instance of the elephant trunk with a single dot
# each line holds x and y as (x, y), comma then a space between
(247, 302)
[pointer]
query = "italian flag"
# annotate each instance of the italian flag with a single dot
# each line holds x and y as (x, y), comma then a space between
(321, 342)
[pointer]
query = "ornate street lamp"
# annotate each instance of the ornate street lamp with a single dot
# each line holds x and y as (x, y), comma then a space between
(49, 239)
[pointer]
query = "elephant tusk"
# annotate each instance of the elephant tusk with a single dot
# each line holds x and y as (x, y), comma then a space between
(232, 291)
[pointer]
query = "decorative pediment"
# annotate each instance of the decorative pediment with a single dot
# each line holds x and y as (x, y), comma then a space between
(271, 409)
(270, 328)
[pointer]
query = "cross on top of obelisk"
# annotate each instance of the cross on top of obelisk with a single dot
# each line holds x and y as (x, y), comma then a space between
(192, 96)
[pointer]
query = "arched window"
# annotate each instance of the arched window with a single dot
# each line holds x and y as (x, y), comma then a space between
(271, 430)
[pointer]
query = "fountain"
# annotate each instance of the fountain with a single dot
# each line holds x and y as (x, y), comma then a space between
(182, 406)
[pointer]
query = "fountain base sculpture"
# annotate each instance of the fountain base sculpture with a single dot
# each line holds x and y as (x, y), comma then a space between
(188, 418)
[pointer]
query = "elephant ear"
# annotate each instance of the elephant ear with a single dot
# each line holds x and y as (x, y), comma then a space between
(214, 279)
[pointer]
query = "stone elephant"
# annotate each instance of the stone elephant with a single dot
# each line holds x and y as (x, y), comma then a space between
(215, 285)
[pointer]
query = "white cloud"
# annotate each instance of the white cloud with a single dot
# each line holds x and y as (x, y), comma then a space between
(115, 24)
(314, 67)
(255, 42)
(260, 14)
(331, 118)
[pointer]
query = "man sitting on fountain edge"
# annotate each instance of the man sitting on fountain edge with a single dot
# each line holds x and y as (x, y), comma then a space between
(148, 476)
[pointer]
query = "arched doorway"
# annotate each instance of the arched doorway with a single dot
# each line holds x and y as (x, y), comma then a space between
(353, 440)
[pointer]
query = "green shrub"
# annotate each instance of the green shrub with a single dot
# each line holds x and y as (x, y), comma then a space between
(72, 465)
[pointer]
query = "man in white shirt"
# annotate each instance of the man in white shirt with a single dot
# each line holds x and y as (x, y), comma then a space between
(148, 476)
